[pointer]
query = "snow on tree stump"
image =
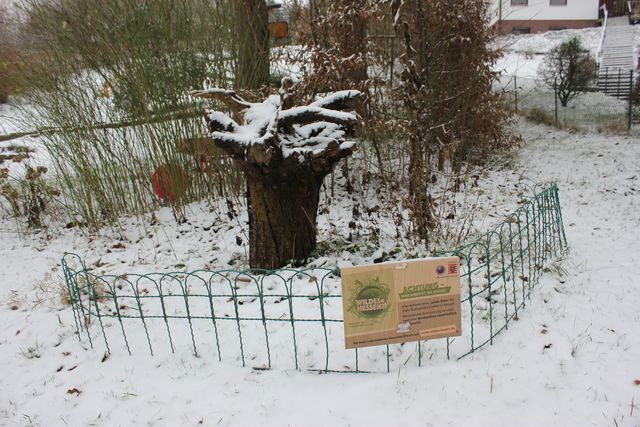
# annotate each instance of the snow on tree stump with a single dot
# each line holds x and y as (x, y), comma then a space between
(285, 154)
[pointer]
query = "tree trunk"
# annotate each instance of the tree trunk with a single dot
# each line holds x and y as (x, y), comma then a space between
(564, 99)
(282, 215)
(253, 49)
(284, 167)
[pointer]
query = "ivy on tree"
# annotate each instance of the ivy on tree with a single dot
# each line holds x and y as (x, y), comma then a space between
(285, 153)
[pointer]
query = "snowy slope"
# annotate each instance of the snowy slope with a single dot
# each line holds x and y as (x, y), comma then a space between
(524, 53)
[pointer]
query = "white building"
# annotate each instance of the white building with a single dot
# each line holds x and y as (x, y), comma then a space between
(532, 16)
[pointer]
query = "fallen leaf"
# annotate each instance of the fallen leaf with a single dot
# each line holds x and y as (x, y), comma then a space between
(18, 332)
(60, 368)
(544, 331)
(14, 307)
(72, 368)
(74, 390)
(636, 382)
(547, 346)
(66, 353)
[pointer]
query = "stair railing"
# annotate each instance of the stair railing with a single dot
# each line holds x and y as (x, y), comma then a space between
(605, 13)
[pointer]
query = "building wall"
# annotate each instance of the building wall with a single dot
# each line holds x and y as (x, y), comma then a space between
(539, 15)
(541, 10)
(538, 26)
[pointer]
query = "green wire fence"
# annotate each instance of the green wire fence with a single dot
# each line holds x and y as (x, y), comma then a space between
(293, 317)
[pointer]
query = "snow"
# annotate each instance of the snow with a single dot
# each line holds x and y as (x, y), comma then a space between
(307, 141)
(224, 120)
(261, 117)
(541, 43)
(312, 109)
(524, 53)
(339, 95)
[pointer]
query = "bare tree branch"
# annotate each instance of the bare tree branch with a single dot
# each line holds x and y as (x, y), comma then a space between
(305, 115)
(341, 100)
(228, 97)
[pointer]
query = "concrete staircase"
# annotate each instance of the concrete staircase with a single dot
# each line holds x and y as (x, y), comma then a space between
(615, 71)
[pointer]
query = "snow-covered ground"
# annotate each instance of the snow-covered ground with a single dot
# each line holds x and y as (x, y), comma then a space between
(519, 66)
(524, 53)
(571, 359)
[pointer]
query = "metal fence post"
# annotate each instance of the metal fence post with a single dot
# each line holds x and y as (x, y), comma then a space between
(515, 91)
(555, 95)
(619, 81)
(630, 112)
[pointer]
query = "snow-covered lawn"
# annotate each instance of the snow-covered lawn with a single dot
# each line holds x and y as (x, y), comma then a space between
(571, 359)
(519, 66)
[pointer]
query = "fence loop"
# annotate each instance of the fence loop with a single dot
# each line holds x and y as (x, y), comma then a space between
(293, 317)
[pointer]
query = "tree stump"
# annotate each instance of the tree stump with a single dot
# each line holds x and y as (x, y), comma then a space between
(285, 154)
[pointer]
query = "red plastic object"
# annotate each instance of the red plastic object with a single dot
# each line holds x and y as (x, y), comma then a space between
(279, 30)
(166, 185)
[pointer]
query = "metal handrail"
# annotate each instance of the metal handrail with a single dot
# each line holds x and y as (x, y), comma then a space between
(604, 29)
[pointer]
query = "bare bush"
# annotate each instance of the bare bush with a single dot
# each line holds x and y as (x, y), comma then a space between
(113, 77)
(452, 114)
(345, 49)
(51, 290)
(568, 69)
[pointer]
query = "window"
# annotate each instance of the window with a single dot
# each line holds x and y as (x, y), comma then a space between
(557, 2)
(521, 30)
(519, 2)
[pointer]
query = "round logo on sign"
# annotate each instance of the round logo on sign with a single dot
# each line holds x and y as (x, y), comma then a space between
(371, 299)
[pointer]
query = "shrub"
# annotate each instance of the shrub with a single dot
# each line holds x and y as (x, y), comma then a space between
(453, 115)
(28, 197)
(568, 69)
(113, 78)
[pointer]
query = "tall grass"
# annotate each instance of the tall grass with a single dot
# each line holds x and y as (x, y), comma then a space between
(128, 62)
